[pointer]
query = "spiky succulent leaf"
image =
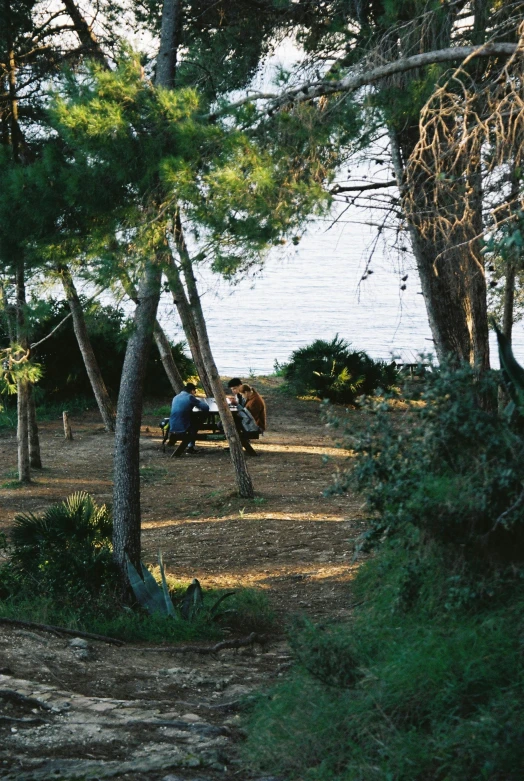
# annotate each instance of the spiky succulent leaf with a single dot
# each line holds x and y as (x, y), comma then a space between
(167, 597)
(219, 601)
(192, 601)
(152, 603)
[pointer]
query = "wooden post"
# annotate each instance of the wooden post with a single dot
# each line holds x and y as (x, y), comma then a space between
(68, 434)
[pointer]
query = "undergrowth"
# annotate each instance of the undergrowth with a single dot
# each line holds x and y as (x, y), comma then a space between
(426, 681)
(410, 689)
(57, 568)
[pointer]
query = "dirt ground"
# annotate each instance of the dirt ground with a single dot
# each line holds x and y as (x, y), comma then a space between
(96, 711)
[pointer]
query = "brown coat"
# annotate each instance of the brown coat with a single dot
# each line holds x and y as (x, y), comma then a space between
(257, 406)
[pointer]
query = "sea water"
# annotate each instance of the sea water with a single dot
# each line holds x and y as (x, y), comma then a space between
(314, 291)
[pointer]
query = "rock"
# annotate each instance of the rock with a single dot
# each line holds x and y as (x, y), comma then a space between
(191, 717)
(79, 642)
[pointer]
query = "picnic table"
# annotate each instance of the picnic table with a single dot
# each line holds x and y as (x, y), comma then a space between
(210, 429)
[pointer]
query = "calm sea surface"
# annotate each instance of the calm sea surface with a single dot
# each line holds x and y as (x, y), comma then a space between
(314, 291)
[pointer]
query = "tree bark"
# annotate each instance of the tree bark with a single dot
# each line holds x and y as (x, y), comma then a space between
(166, 356)
(35, 457)
(184, 310)
(169, 43)
(105, 405)
(85, 32)
(243, 479)
(22, 436)
(126, 491)
(22, 433)
(452, 279)
(161, 340)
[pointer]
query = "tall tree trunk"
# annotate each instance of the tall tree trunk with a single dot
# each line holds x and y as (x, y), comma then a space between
(453, 280)
(166, 356)
(243, 479)
(161, 340)
(169, 43)
(105, 405)
(35, 458)
(188, 324)
(126, 492)
(22, 431)
(22, 436)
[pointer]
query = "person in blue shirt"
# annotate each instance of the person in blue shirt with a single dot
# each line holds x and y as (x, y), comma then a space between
(183, 420)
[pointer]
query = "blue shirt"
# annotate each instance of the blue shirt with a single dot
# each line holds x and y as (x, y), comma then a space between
(181, 409)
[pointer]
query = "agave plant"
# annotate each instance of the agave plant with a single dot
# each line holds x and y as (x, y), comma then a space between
(155, 598)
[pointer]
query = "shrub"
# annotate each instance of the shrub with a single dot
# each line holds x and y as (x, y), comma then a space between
(426, 681)
(332, 371)
(409, 690)
(66, 551)
(447, 466)
(64, 374)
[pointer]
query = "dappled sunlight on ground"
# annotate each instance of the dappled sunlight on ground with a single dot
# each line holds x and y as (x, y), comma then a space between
(265, 579)
(248, 516)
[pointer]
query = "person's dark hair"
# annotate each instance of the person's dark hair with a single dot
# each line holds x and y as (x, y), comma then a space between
(189, 387)
(234, 382)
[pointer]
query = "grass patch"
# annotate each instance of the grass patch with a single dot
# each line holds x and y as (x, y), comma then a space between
(246, 611)
(415, 687)
(153, 474)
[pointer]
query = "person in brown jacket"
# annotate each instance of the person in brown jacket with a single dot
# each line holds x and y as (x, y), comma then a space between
(255, 404)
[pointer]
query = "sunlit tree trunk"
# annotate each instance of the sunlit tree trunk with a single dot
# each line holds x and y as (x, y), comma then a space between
(243, 479)
(452, 278)
(161, 340)
(166, 356)
(126, 491)
(105, 405)
(184, 310)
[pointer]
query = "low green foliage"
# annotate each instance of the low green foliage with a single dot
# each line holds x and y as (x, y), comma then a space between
(58, 569)
(66, 550)
(450, 465)
(410, 689)
(426, 682)
(330, 370)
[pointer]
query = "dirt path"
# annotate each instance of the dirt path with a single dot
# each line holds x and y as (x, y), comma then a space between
(139, 714)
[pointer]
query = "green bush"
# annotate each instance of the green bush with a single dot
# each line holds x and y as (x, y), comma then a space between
(450, 465)
(408, 690)
(330, 370)
(64, 375)
(426, 682)
(66, 552)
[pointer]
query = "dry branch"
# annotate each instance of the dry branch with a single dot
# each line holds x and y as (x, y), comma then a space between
(355, 81)
(241, 642)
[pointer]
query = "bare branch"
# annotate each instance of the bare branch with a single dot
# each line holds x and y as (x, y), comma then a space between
(355, 81)
(361, 187)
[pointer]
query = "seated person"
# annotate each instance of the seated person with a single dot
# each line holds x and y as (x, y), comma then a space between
(234, 385)
(183, 420)
(255, 404)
